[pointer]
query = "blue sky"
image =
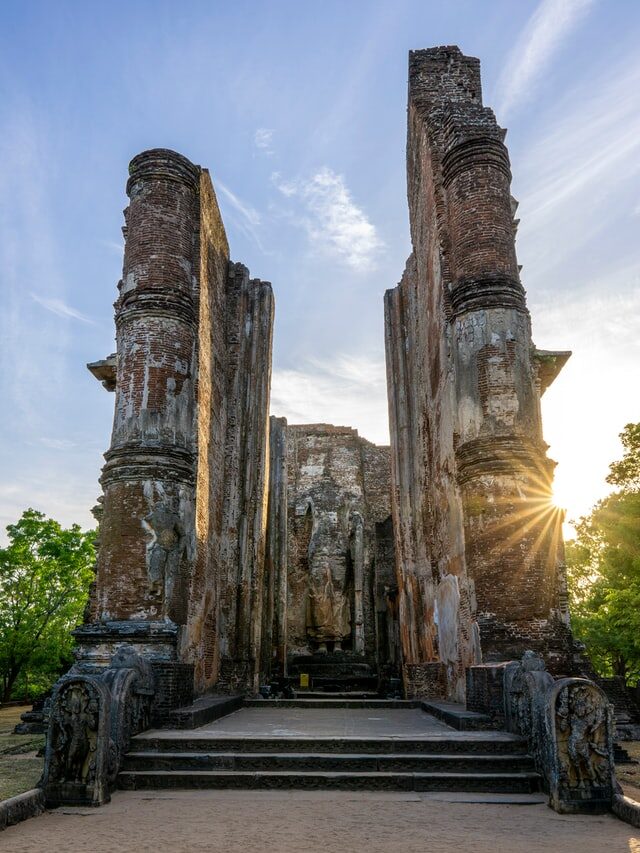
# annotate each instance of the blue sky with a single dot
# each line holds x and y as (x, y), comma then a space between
(299, 111)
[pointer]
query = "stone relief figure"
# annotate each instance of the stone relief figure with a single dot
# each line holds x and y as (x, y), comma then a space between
(582, 737)
(165, 546)
(329, 612)
(329, 606)
(76, 734)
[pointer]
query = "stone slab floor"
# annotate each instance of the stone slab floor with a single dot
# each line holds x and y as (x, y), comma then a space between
(318, 822)
(317, 722)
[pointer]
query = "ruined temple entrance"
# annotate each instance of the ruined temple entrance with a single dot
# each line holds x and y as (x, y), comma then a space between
(243, 558)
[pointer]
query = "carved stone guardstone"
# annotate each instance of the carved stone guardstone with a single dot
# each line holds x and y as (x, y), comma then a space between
(580, 737)
(569, 725)
(79, 757)
(92, 719)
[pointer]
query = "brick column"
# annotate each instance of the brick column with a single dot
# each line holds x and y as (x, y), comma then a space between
(147, 531)
(512, 532)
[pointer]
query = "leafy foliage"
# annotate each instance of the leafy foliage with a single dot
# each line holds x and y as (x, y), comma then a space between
(626, 472)
(604, 570)
(45, 573)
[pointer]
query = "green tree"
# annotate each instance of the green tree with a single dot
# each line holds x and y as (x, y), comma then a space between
(45, 573)
(604, 570)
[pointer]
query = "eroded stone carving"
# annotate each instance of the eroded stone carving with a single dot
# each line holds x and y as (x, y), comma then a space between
(165, 546)
(92, 719)
(76, 717)
(569, 726)
(78, 749)
(581, 727)
(330, 587)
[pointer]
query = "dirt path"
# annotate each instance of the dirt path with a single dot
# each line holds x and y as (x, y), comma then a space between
(318, 822)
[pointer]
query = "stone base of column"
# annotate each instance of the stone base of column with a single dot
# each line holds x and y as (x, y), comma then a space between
(425, 680)
(97, 642)
(156, 642)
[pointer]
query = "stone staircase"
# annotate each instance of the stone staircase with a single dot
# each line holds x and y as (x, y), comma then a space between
(449, 760)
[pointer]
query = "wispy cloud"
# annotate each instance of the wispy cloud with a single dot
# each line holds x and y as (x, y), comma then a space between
(240, 213)
(549, 26)
(29, 259)
(262, 139)
(333, 221)
(57, 306)
(580, 160)
(114, 246)
(57, 443)
(245, 210)
(341, 390)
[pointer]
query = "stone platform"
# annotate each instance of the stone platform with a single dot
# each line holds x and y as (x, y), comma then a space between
(298, 745)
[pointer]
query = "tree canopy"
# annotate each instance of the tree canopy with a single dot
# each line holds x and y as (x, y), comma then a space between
(45, 573)
(604, 570)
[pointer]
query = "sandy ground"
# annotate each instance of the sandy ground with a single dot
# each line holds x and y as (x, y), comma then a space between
(629, 774)
(318, 822)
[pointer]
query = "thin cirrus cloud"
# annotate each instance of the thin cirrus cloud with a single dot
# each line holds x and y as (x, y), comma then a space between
(333, 221)
(263, 138)
(240, 213)
(57, 306)
(57, 443)
(549, 26)
(569, 171)
(248, 213)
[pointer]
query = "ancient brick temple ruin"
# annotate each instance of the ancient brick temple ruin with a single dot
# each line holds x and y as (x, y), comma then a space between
(240, 555)
(231, 550)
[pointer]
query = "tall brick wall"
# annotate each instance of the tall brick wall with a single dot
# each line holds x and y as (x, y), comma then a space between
(183, 523)
(478, 543)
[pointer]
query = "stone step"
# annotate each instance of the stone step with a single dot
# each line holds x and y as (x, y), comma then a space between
(352, 681)
(476, 743)
(509, 783)
(303, 702)
(338, 694)
(312, 761)
(335, 666)
(457, 716)
(203, 710)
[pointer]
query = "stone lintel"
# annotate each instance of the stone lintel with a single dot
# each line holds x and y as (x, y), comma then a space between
(105, 371)
(550, 363)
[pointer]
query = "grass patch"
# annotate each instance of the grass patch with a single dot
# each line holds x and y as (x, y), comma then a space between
(20, 767)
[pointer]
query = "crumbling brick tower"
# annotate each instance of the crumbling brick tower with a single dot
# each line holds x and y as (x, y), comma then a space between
(478, 541)
(182, 527)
